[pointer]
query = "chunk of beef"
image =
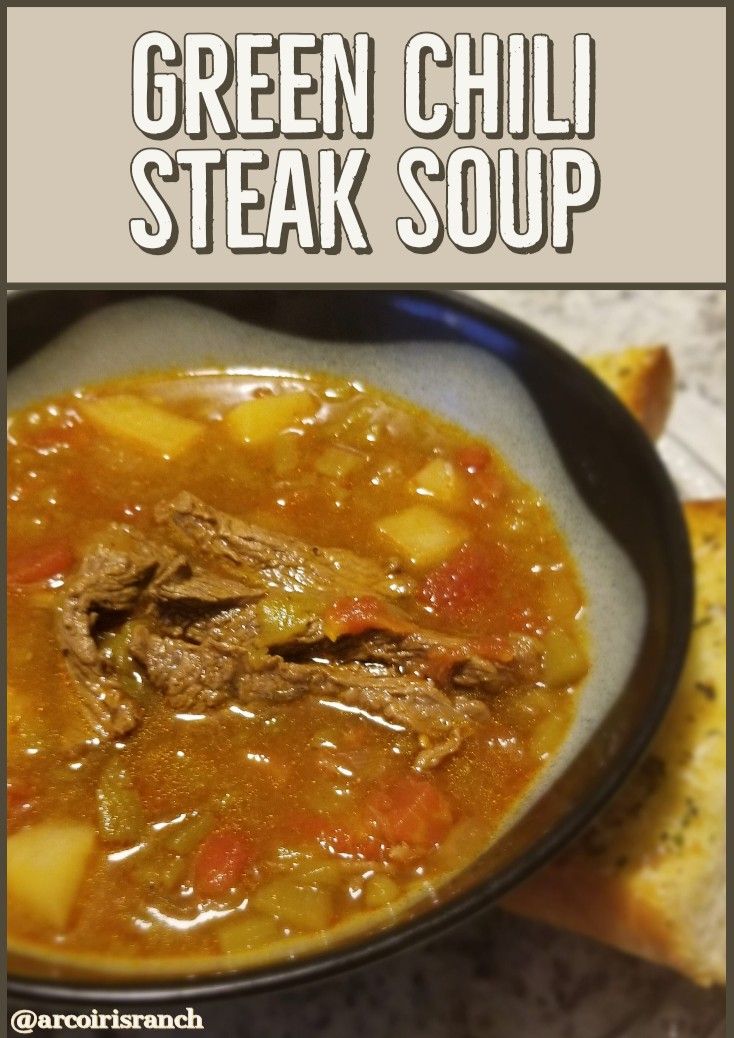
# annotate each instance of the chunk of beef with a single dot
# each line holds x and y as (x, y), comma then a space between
(440, 722)
(281, 561)
(231, 629)
(114, 583)
(473, 674)
(198, 638)
(193, 678)
(188, 590)
(108, 581)
(451, 662)
(290, 564)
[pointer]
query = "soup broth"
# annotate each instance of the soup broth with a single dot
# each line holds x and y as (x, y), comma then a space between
(285, 651)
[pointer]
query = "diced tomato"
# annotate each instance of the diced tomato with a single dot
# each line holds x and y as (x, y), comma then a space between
(360, 613)
(460, 586)
(223, 858)
(343, 839)
(485, 477)
(472, 458)
(37, 564)
(479, 588)
(411, 810)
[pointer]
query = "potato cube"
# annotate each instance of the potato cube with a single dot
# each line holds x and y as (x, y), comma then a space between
(380, 890)
(422, 534)
(547, 735)
(247, 932)
(262, 418)
(153, 428)
(564, 662)
(337, 462)
(295, 905)
(437, 479)
(46, 865)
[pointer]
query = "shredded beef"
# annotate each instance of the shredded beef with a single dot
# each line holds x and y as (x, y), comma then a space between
(451, 662)
(281, 561)
(198, 640)
(195, 677)
(108, 581)
(113, 583)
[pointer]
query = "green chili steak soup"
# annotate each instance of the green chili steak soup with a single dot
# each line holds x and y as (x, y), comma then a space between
(285, 652)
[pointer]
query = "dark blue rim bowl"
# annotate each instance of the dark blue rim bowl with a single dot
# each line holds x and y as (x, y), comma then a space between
(622, 480)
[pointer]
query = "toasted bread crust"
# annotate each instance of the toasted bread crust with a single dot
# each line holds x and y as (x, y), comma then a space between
(643, 378)
(649, 875)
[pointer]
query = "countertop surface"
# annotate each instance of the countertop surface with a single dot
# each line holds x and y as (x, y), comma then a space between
(499, 977)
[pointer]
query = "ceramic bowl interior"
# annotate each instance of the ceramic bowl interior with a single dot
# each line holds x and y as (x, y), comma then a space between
(558, 427)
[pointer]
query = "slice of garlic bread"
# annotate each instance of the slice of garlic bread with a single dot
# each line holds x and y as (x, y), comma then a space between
(642, 377)
(649, 875)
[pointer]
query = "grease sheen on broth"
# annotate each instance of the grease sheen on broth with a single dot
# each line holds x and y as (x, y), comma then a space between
(312, 812)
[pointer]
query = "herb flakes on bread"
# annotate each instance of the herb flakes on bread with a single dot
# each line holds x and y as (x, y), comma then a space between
(649, 875)
(643, 379)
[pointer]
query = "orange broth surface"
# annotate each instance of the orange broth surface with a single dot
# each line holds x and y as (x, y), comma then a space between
(259, 822)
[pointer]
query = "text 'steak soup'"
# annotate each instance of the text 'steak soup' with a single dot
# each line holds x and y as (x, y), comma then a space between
(285, 653)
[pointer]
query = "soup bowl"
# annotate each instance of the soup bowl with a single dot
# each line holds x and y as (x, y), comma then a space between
(559, 428)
